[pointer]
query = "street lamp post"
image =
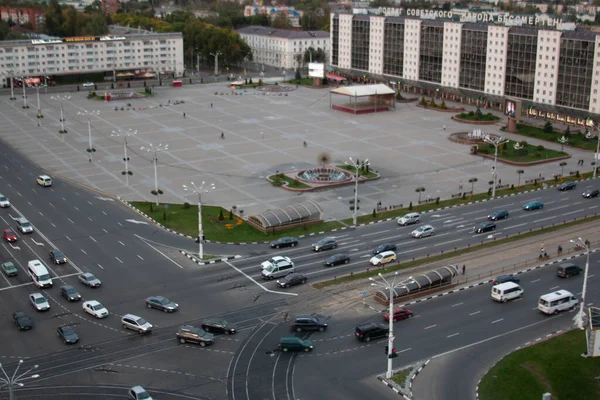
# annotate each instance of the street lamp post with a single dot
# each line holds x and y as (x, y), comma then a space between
(495, 141)
(193, 189)
(24, 95)
(39, 107)
(356, 165)
(89, 114)
(15, 379)
(563, 140)
(216, 55)
(582, 317)
(62, 115)
(597, 155)
(125, 135)
(12, 86)
(155, 149)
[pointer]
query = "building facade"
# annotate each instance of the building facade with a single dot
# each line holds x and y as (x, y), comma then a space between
(21, 16)
(553, 72)
(110, 7)
(292, 14)
(281, 47)
(160, 52)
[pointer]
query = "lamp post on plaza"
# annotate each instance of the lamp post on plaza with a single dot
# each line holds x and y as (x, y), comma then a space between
(152, 148)
(45, 81)
(194, 189)
(62, 115)
(356, 165)
(89, 114)
(16, 380)
(597, 155)
(39, 107)
(12, 85)
(563, 140)
(125, 135)
(24, 95)
(495, 141)
(581, 318)
(216, 55)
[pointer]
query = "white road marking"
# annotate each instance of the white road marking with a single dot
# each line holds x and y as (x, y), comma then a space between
(83, 251)
(100, 266)
(457, 304)
(402, 351)
(68, 238)
(257, 283)
(374, 233)
(475, 313)
(544, 219)
(535, 280)
(52, 224)
(454, 334)
(498, 320)
(123, 244)
(104, 213)
(572, 212)
(105, 231)
(93, 239)
(158, 251)
(473, 212)
(71, 221)
(51, 205)
(592, 207)
(76, 208)
(514, 226)
(431, 326)
(119, 224)
(555, 287)
(410, 251)
(451, 241)
(140, 257)
(90, 219)
(90, 203)
(119, 260)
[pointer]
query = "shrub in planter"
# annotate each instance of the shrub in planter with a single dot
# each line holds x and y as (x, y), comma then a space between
(260, 82)
(128, 84)
(250, 81)
(443, 105)
(537, 154)
(512, 187)
(476, 117)
(489, 192)
(410, 206)
(464, 196)
(221, 217)
(432, 103)
(471, 113)
(478, 112)
(374, 213)
(423, 103)
(489, 116)
(540, 148)
(437, 201)
(186, 205)
(548, 128)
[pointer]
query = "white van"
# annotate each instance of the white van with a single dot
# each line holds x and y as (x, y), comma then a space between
(277, 271)
(44, 180)
(39, 274)
(409, 219)
(506, 291)
(554, 302)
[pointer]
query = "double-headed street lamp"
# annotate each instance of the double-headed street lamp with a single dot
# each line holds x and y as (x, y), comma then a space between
(125, 135)
(194, 189)
(16, 380)
(12, 85)
(495, 141)
(62, 114)
(89, 114)
(216, 55)
(155, 148)
(25, 106)
(357, 165)
(581, 318)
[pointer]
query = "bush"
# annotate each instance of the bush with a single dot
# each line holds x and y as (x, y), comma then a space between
(250, 81)
(410, 206)
(538, 154)
(146, 85)
(548, 128)
(484, 151)
(464, 196)
(422, 102)
(437, 201)
(443, 105)
(325, 81)
(512, 187)
(298, 76)
(540, 148)
(462, 115)
(398, 96)
(478, 113)
(374, 213)
(568, 132)
(128, 84)
(471, 114)
(260, 82)
(489, 191)
(432, 102)
(477, 117)
(230, 214)
(221, 217)
(489, 116)
(186, 205)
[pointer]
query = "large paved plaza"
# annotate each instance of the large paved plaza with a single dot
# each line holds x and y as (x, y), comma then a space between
(263, 134)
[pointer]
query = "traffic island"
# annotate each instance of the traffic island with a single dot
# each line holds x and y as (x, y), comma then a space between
(403, 378)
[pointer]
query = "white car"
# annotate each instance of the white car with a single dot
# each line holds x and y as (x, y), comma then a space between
(4, 201)
(44, 180)
(276, 261)
(423, 231)
(96, 309)
(39, 302)
(88, 84)
(136, 323)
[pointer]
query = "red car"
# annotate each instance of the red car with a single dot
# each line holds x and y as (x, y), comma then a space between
(9, 235)
(399, 313)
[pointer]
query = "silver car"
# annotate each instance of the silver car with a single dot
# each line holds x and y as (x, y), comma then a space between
(39, 302)
(89, 280)
(423, 231)
(136, 323)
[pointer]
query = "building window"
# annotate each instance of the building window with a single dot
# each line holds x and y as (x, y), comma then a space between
(575, 69)
(473, 60)
(520, 66)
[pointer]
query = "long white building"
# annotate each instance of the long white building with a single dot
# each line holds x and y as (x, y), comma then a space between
(279, 47)
(78, 55)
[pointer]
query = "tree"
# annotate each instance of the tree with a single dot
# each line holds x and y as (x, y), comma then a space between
(93, 7)
(519, 172)
(568, 133)
(96, 25)
(548, 128)
(298, 76)
(281, 21)
(420, 190)
(562, 168)
(472, 182)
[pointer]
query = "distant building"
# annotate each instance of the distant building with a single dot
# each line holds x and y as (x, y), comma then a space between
(279, 47)
(110, 7)
(22, 16)
(272, 12)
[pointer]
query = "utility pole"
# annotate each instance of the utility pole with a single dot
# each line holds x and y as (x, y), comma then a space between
(193, 189)
(16, 380)
(357, 166)
(89, 114)
(125, 135)
(216, 55)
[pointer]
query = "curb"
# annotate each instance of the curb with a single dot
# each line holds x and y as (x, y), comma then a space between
(213, 261)
(411, 379)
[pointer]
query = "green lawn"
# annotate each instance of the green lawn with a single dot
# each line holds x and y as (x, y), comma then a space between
(554, 366)
(400, 377)
(291, 183)
(528, 154)
(475, 117)
(576, 140)
(361, 172)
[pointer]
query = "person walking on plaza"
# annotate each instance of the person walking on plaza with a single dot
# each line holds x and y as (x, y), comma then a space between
(183, 115)
(464, 268)
(222, 135)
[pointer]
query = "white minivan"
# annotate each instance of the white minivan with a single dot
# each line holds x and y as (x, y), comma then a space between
(554, 302)
(506, 291)
(39, 274)
(409, 219)
(44, 180)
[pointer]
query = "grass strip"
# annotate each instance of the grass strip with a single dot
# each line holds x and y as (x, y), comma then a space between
(400, 377)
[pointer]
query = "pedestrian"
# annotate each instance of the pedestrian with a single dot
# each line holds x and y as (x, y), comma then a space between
(222, 135)
(211, 105)
(457, 268)
(444, 127)
(464, 268)
(500, 182)
(582, 161)
(183, 115)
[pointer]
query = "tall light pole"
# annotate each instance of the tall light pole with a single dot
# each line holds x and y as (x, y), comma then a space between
(39, 108)
(125, 135)
(16, 380)
(89, 114)
(24, 95)
(582, 317)
(597, 155)
(193, 189)
(12, 85)
(216, 55)
(495, 141)
(155, 148)
(62, 114)
(45, 80)
(391, 287)
(356, 165)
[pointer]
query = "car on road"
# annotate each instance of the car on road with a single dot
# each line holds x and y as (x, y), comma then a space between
(161, 303)
(533, 205)
(291, 280)
(218, 326)
(95, 308)
(423, 231)
(39, 302)
(398, 314)
(4, 201)
(484, 227)
(22, 321)
(383, 258)
(138, 392)
(136, 323)
(505, 278)
(89, 280)
(370, 330)
(567, 270)
(567, 186)
(384, 247)
(276, 261)
(293, 343)
(498, 215)
(284, 242)
(588, 194)
(44, 180)
(336, 259)
(309, 323)
(325, 244)
(67, 334)
(192, 334)
(69, 293)
(87, 84)
(57, 257)
(9, 235)
(24, 226)
(9, 269)
(409, 219)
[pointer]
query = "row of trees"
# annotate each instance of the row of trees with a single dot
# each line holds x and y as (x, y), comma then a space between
(67, 21)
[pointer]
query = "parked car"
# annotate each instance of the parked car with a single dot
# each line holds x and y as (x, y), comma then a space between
(39, 302)
(138, 392)
(88, 84)
(89, 280)
(9, 269)
(370, 330)
(505, 278)
(567, 186)
(293, 343)
(588, 194)
(309, 323)
(336, 259)
(67, 334)
(195, 335)
(57, 257)
(533, 205)
(399, 314)
(284, 242)
(384, 247)
(161, 303)
(218, 326)
(325, 244)
(136, 323)
(291, 280)
(4, 201)
(95, 308)
(484, 227)
(423, 231)
(22, 321)
(9, 235)
(69, 293)
(498, 215)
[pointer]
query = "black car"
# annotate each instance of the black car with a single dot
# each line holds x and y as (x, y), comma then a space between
(384, 247)
(69, 293)
(218, 326)
(588, 194)
(291, 280)
(325, 244)
(336, 259)
(506, 278)
(497, 215)
(371, 330)
(567, 186)
(67, 334)
(22, 321)
(161, 303)
(284, 242)
(57, 257)
(484, 227)
(309, 323)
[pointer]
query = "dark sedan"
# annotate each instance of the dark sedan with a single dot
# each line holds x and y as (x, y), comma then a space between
(161, 303)
(337, 259)
(506, 278)
(533, 205)
(67, 334)
(57, 257)
(69, 293)
(497, 215)
(384, 247)
(567, 186)
(22, 321)
(284, 242)
(484, 227)
(218, 326)
(588, 194)
(291, 280)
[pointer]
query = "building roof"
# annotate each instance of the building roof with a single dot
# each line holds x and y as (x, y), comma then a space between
(363, 90)
(303, 212)
(282, 33)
